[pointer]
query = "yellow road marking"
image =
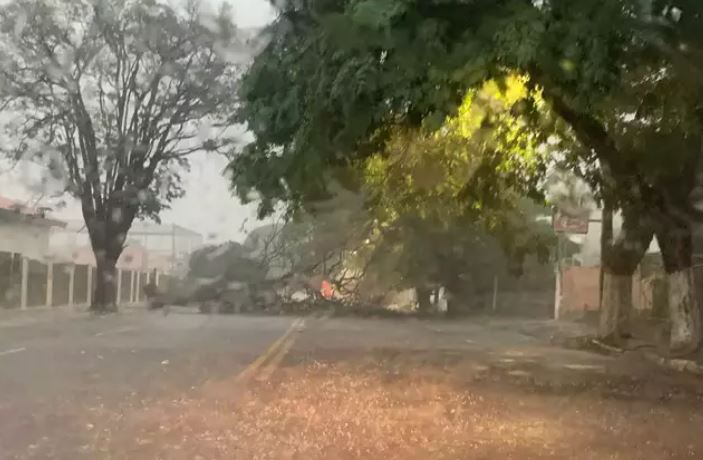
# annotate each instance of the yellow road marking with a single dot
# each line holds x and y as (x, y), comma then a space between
(250, 370)
(275, 361)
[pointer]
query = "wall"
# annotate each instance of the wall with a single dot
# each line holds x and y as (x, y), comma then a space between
(29, 240)
(581, 291)
(10, 279)
(159, 241)
(132, 258)
(68, 237)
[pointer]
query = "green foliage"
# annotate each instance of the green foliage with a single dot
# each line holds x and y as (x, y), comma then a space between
(346, 72)
(482, 159)
(371, 83)
(376, 14)
(450, 203)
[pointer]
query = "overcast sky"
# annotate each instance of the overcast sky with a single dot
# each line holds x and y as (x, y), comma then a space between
(208, 207)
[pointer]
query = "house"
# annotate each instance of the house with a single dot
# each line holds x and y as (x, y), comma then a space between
(25, 230)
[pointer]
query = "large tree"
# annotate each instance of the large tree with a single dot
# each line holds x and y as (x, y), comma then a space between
(338, 74)
(117, 94)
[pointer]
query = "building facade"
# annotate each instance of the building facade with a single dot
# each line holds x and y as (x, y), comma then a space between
(165, 247)
(25, 230)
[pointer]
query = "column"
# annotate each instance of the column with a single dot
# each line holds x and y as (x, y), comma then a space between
(25, 283)
(49, 283)
(131, 287)
(71, 284)
(118, 294)
(138, 289)
(89, 294)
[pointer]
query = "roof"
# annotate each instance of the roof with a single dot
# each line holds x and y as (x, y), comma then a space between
(151, 228)
(8, 215)
(142, 228)
(7, 203)
(14, 211)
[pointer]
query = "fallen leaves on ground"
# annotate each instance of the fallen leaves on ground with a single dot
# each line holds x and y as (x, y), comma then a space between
(315, 410)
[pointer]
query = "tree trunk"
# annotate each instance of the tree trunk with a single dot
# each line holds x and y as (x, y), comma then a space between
(616, 303)
(105, 295)
(685, 315)
(423, 299)
(619, 259)
(676, 247)
(606, 239)
(107, 235)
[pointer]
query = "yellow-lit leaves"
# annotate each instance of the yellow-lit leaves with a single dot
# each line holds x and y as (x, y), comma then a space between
(473, 163)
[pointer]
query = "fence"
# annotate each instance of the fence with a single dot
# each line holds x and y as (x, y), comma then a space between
(27, 283)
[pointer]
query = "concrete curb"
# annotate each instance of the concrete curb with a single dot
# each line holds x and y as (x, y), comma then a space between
(679, 365)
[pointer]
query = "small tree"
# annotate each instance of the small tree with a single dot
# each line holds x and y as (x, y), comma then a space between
(117, 94)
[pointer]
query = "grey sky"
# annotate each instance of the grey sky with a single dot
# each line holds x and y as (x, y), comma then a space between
(208, 207)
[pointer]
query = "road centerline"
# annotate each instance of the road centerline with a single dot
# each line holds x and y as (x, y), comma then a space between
(270, 353)
(276, 359)
(12, 351)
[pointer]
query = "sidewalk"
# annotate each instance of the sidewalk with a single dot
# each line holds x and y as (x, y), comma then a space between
(10, 317)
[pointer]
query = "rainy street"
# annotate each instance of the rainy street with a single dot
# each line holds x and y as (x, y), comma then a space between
(351, 229)
(143, 385)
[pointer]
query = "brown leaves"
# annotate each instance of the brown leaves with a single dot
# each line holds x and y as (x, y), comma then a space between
(321, 411)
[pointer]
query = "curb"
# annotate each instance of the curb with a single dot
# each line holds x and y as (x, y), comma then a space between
(679, 365)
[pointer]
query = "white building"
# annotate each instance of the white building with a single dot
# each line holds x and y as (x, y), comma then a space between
(25, 230)
(168, 245)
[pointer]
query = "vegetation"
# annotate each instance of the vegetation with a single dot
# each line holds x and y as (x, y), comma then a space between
(114, 96)
(447, 201)
(340, 80)
(229, 261)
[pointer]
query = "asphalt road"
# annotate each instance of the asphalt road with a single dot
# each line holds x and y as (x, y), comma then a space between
(55, 363)
(141, 385)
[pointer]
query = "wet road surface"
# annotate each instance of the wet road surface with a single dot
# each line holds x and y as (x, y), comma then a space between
(141, 385)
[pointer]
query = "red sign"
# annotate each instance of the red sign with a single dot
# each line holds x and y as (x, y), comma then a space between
(568, 223)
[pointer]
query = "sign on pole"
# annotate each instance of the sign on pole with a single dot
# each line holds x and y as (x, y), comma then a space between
(570, 222)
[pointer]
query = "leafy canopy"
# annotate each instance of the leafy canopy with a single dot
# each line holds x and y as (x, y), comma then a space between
(444, 197)
(339, 75)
